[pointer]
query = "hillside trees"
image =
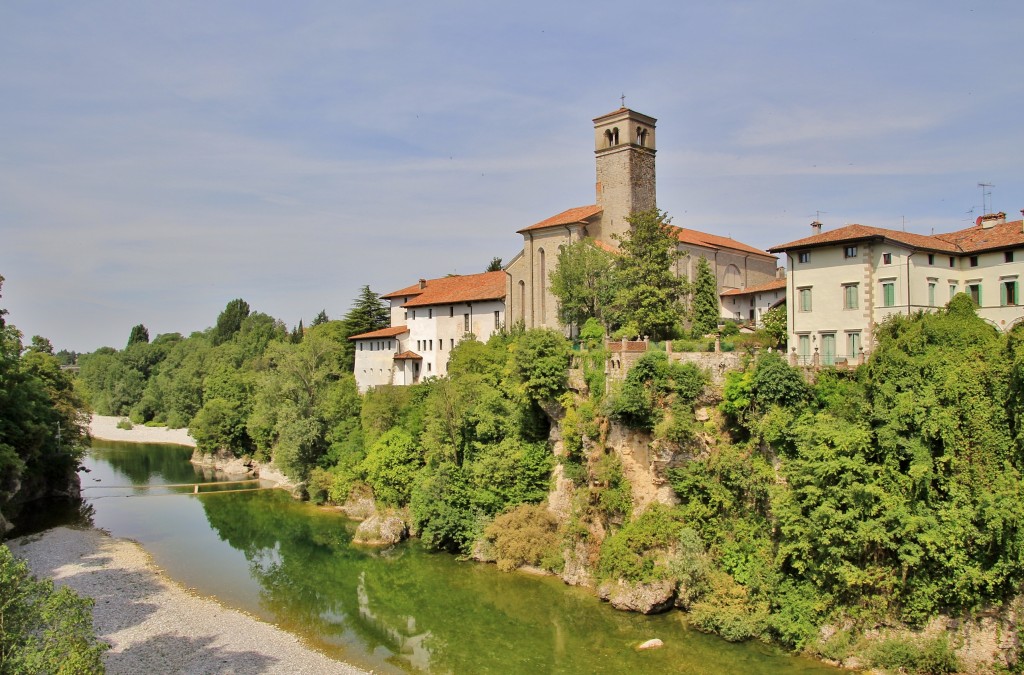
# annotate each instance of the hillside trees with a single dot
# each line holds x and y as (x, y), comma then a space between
(368, 313)
(704, 310)
(582, 281)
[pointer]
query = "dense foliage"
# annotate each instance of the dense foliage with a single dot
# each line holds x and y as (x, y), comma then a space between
(43, 629)
(704, 308)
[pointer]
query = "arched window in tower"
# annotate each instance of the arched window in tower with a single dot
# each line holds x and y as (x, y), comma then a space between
(641, 136)
(732, 277)
(543, 287)
(611, 137)
(522, 301)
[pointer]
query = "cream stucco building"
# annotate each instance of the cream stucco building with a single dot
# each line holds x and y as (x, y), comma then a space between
(624, 148)
(842, 283)
(427, 320)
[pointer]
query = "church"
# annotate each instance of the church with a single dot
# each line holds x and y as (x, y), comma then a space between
(625, 146)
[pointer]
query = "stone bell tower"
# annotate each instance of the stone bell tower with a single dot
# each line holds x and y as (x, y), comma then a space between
(624, 144)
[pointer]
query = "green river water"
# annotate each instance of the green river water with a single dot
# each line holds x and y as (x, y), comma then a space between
(399, 609)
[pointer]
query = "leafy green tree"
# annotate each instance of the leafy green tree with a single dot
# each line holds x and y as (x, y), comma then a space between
(44, 630)
(705, 308)
(139, 334)
(41, 345)
(320, 318)
(441, 509)
(494, 265)
(582, 282)
(774, 323)
(541, 362)
(230, 320)
(391, 465)
(647, 290)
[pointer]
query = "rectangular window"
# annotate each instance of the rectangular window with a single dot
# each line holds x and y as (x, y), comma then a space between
(974, 261)
(888, 293)
(429, 367)
(805, 349)
(952, 291)
(452, 344)
(451, 310)
(413, 314)
(430, 313)
(1007, 256)
(850, 252)
(431, 347)
(887, 258)
(952, 261)
(1009, 292)
(804, 256)
(406, 315)
(805, 299)
(497, 319)
(465, 323)
(850, 296)
(974, 290)
(360, 346)
(931, 258)
(852, 345)
(931, 293)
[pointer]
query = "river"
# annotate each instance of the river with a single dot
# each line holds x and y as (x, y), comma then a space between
(401, 609)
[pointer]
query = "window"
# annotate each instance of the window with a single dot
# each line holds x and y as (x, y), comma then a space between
(805, 349)
(452, 344)
(931, 258)
(430, 313)
(497, 319)
(451, 309)
(429, 366)
(413, 314)
(360, 346)
(406, 315)
(852, 345)
(888, 293)
(431, 347)
(974, 261)
(805, 299)
(952, 291)
(465, 323)
(850, 296)
(952, 261)
(804, 256)
(1008, 291)
(1007, 256)
(850, 252)
(887, 258)
(931, 293)
(974, 290)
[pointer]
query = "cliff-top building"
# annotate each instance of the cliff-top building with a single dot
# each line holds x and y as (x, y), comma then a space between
(625, 148)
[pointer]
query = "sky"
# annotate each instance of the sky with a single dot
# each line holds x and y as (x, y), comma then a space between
(159, 159)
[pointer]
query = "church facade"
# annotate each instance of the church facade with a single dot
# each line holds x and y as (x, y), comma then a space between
(625, 148)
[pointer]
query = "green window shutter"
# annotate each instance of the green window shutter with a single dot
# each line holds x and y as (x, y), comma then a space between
(1002, 294)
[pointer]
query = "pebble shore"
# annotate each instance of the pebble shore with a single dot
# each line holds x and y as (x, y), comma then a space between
(153, 624)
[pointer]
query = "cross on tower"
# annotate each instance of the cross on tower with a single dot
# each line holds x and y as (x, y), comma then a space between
(623, 99)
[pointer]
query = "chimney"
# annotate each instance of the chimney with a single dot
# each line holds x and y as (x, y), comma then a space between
(423, 284)
(992, 219)
(816, 227)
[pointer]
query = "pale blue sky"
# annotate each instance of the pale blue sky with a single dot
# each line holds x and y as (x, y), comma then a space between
(158, 159)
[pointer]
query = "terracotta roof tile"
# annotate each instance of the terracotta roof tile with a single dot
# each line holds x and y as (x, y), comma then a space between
(605, 246)
(697, 238)
(974, 239)
(579, 214)
(406, 356)
(774, 285)
(391, 331)
(402, 292)
(467, 288)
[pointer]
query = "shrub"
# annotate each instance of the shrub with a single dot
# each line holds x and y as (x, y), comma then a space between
(915, 656)
(614, 495)
(441, 509)
(527, 535)
(390, 466)
(125, 423)
(541, 361)
(727, 611)
(639, 551)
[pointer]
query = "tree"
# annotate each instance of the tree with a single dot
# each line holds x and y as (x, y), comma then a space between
(44, 630)
(368, 313)
(319, 319)
(494, 265)
(705, 307)
(139, 334)
(774, 322)
(647, 290)
(41, 345)
(230, 321)
(582, 282)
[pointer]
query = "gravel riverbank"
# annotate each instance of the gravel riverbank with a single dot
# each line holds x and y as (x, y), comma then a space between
(153, 624)
(105, 427)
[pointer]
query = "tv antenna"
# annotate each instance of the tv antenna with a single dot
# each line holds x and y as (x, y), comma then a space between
(985, 192)
(817, 216)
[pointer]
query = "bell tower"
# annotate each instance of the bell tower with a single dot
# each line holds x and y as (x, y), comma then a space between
(624, 143)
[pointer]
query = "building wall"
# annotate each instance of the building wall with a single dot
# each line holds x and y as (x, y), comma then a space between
(625, 185)
(374, 362)
(533, 268)
(434, 331)
(738, 307)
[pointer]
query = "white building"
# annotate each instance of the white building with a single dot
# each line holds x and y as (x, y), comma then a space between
(748, 305)
(843, 282)
(427, 320)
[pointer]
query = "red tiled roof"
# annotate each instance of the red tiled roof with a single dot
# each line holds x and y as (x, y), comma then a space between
(406, 356)
(971, 240)
(391, 331)
(605, 246)
(467, 288)
(697, 238)
(580, 214)
(408, 290)
(976, 239)
(772, 285)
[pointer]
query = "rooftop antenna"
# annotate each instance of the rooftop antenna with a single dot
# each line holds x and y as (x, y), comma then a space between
(817, 215)
(985, 192)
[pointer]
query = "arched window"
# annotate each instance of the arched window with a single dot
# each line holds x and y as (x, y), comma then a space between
(611, 137)
(732, 277)
(641, 136)
(522, 301)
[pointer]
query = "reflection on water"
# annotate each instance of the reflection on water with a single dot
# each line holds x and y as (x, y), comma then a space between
(396, 609)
